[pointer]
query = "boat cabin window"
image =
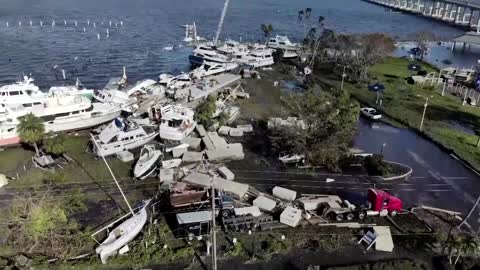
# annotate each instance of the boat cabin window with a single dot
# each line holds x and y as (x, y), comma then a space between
(3, 94)
(37, 103)
(75, 112)
(29, 92)
(27, 105)
(140, 135)
(48, 118)
(89, 109)
(14, 93)
(62, 114)
(272, 40)
(282, 43)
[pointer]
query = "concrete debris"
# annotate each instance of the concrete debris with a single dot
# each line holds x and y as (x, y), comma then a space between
(265, 203)
(178, 152)
(245, 128)
(226, 173)
(123, 250)
(232, 112)
(235, 132)
(193, 143)
(171, 163)
(125, 156)
(243, 211)
(233, 151)
(207, 142)
(224, 130)
(291, 216)
(201, 130)
(166, 175)
(182, 145)
(205, 180)
(283, 193)
(329, 180)
(217, 141)
(192, 156)
(384, 238)
(242, 95)
(310, 204)
(290, 121)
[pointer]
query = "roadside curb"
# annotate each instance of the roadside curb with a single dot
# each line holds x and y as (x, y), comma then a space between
(410, 170)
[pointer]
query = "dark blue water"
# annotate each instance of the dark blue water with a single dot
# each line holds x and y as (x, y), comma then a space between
(150, 25)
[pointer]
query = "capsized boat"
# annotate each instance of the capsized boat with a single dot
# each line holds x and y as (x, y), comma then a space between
(148, 161)
(123, 233)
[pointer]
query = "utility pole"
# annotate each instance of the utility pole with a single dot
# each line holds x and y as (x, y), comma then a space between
(343, 77)
(214, 238)
(423, 115)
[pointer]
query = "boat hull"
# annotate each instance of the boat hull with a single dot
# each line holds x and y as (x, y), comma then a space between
(114, 148)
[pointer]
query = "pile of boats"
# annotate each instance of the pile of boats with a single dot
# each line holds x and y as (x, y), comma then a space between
(254, 55)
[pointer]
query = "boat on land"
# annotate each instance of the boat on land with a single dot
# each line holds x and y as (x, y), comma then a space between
(121, 135)
(209, 69)
(176, 122)
(206, 52)
(289, 49)
(58, 111)
(123, 233)
(148, 161)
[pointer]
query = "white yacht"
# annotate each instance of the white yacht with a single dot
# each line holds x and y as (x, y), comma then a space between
(176, 122)
(289, 48)
(209, 69)
(121, 135)
(59, 113)
(22, 92)
(206, 52)
(259, 58)
(148, 161)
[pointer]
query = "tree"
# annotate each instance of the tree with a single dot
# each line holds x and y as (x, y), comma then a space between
(31, 130)
(300, 14)
(308, 11)
(359, 52)
(267, 30)
(205, 111)
(421, 39)
(330, 120)
(41, 226)
(466, 245)
(290, 139)
(55, 143)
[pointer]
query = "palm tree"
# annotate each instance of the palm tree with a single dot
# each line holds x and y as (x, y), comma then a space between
(300, 14)
(267, 29)
(55, 143)
(308, 11)
(31, 130)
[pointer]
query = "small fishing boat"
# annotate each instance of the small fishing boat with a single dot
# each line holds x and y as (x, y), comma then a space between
(123, 233)
(148, 161)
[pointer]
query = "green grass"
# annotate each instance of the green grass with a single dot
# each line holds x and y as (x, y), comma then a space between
(405, 103)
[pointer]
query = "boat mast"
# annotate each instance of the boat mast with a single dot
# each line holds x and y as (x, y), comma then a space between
(220, 23)
(214, 237)
(114, 178)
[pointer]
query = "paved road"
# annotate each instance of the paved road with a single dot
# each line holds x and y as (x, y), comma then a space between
(437, 180)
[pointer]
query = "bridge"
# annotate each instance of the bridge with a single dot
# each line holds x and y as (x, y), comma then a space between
(459, 13)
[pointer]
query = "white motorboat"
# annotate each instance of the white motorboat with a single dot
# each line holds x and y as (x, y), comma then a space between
(206, 52)
(59, 113)
(209, 69)
(148, 161)
(121, 135)
(176, 122)
(123, 233)
(259, 58)
(289, 48)
(171, 163)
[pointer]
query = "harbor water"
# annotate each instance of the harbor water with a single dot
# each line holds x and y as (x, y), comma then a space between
(138, 32)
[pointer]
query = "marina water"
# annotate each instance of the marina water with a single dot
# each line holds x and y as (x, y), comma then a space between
(139, 30)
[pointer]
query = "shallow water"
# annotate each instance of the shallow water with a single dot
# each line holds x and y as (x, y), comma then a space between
(150, 25)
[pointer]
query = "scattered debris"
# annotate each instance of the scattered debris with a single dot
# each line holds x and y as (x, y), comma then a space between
(226, 173)
(236, 132)
(329, 180)
(245, 128)
(224, 130)
(283, 193)
(125, 156)
(265, 203)
(291, 216)
(192, 156)
(193, 143)
(384, 238)
(172, 163)
(290, 121)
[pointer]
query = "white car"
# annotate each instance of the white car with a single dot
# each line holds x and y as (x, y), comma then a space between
(371, 113)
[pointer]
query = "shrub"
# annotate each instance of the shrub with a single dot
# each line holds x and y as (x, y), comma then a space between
(376, 166)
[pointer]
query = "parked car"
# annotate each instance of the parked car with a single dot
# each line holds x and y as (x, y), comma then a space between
(371, 113)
